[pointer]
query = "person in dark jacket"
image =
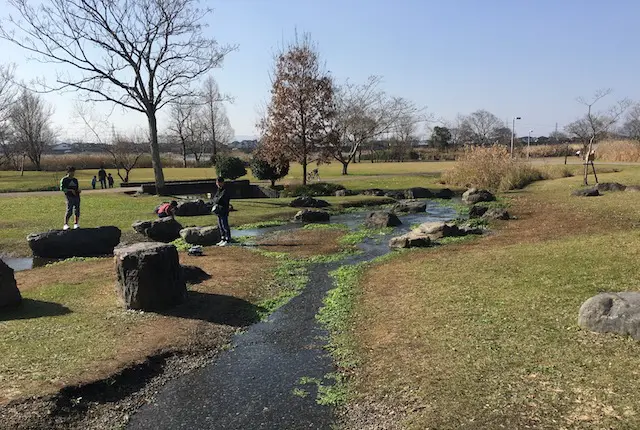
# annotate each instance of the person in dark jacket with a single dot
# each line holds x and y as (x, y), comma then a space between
(221, 208)
(71, 188)
(102, 177)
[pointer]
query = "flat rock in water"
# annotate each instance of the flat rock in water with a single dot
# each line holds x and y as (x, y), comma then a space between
(150, 277)
(310, 215)
(382, 219)
(9, 294)
(410, 240)
(204, 236)
(474, 195)
(410, 206)
(418, 193)
(617, 313)
(160, 230)
(81, 242)
(308, 202)
(586, 192)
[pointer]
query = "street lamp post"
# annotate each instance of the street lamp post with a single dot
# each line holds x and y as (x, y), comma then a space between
(513, 132)
(528, 143)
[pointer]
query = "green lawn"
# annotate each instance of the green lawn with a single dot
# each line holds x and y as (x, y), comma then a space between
(484, 335)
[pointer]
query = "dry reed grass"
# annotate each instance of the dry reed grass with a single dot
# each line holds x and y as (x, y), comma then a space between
(626, 151)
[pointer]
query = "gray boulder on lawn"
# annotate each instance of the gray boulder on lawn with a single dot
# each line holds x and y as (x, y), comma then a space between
(9, 294)
(410, 206)
(310, 215)
(444, 193)
(344, 193)
(149, 276)
(308, 202)
(418, 193)
(438, 229)
(586, 192)
(382, 219)
(161, 230)
(194, 208)
(474, 195)
(204, 236)
(82, 242)
(617, 313)
(373, 192)
(497, 213)
(397, 195)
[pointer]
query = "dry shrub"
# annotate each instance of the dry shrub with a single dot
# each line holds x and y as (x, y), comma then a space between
(491, 168)
(557, 150)
(627, 151)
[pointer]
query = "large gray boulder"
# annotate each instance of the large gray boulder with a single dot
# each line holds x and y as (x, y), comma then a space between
(397, 195)
(617, 313)
(382, 219)
(204, 236)
(410, 206)
(9, 294)
(150, 277)
(160, 230)
(344, 193)
(373, 192)
(586, 192)
(81, 242)
(410, 240)
(310, 215)
(308, 202)
(444, 193)
(418, 193)
(474, 195)
(194, 208)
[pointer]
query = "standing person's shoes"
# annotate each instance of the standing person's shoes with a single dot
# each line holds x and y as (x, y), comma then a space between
(65, 227)
(76, 226)
(222, 243)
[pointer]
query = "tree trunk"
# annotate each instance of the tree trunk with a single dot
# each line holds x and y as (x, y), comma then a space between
(155, 153)
(184, 155)
(273, 183)
(304, 171)
(345, 165)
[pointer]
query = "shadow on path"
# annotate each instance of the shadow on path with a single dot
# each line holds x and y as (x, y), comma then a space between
(30, 309)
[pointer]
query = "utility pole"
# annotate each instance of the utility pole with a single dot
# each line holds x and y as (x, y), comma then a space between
(513, 132)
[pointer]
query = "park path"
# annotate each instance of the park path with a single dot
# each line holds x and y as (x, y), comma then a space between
(251, 386)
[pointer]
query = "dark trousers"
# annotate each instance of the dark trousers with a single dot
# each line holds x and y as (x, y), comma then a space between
(103, 183)
(223, 226)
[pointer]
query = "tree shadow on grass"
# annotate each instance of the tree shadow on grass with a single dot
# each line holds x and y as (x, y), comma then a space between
(30, 309)
(218, 309)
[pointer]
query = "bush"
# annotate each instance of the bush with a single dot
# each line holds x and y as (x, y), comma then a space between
(230, 167)
(491, 168)
(263, 170)
(313, 190)
(555, 150)
(626, 151)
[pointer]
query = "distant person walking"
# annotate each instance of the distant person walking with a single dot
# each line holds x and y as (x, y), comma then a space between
(110, 179)
(221, 208)
(93, 183)
(71, 188)
(102, 176)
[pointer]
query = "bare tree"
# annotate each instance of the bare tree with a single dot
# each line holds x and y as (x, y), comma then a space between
(364, 112)
(595, 124)
(218, 124)
(138, 54)
(631, 126)
(9, 153)
(301, 113)
(180, 114)
(482, 126)
(30, 121)
(126, 152)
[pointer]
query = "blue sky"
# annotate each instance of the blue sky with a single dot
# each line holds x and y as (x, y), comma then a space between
(530, 58)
